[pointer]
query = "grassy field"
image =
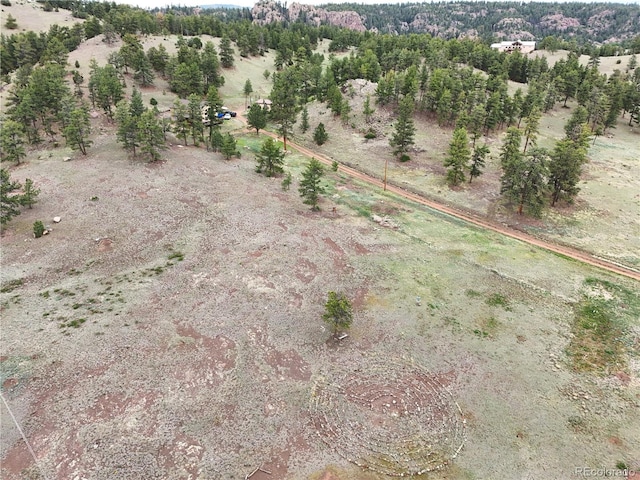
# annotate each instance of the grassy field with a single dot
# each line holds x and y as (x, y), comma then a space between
(170, 325)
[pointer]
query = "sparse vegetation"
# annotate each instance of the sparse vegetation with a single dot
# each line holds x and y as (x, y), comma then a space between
(11, 285)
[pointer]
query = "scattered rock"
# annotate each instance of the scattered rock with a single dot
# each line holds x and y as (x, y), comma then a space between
(56, 219)
(66, 159)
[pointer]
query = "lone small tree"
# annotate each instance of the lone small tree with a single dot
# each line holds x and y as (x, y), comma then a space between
(310, 188)
(270, 159)
(320, 135)
(38, 229)
(338, 312)
(29, 194)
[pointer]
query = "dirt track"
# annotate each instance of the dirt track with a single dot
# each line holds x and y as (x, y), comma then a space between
(573, 253)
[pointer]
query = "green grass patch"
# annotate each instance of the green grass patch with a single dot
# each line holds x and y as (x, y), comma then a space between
(11, 285)
(64, 292)
(76, 323)
(498, 300)
(597, 344)
(177, 256)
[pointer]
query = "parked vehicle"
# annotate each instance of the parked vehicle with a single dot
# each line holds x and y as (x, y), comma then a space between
(226, 116)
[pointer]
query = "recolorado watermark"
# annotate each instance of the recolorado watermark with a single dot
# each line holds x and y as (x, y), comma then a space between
(606, 472)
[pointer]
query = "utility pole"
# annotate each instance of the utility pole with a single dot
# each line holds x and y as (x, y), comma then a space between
(386, 162)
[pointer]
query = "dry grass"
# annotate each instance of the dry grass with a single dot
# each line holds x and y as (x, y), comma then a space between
(30, 16)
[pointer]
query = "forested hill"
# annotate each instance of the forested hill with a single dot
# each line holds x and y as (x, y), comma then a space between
(584, 22)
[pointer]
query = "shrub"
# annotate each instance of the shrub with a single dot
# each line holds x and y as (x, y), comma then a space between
(405, 158)
(38, 229)
(334, 166)
(6, 3)
(370, 134)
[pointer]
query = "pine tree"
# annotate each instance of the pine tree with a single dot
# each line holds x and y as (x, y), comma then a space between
(12, 141)
(477, 161)
(458, 157)
(127, 132)
(217, 140)
(105, 88)
(77, 81)
(136, 107)
(286, 182)
(150, 135)
(565, 166)
(304, 120)
(9, 200)
(195, 118)
(531, 128)
(257, 117)
(345, 110)
(181, 120)
(10, 23)
(143, 70)
(270, 159)
(228, 147)
(226, 52)
(476, 122)
(77, 132)
(334, 99)
(248, 90)
(574, 127)
(338, 312)
(367, 110)
(284, 106)
(320, 135)
(213, 104)
(310, 187)
(524, 183)
(29, 194)
(403, 136)
(210, 66)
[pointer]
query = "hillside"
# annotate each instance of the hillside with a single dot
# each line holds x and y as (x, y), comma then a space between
(592, 22)
(171, 324)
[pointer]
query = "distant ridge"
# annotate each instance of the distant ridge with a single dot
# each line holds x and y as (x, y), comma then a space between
(221, 5)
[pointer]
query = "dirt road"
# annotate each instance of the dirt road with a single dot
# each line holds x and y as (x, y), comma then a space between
(573, 253)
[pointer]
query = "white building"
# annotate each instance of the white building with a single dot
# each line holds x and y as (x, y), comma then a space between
(513, 46)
